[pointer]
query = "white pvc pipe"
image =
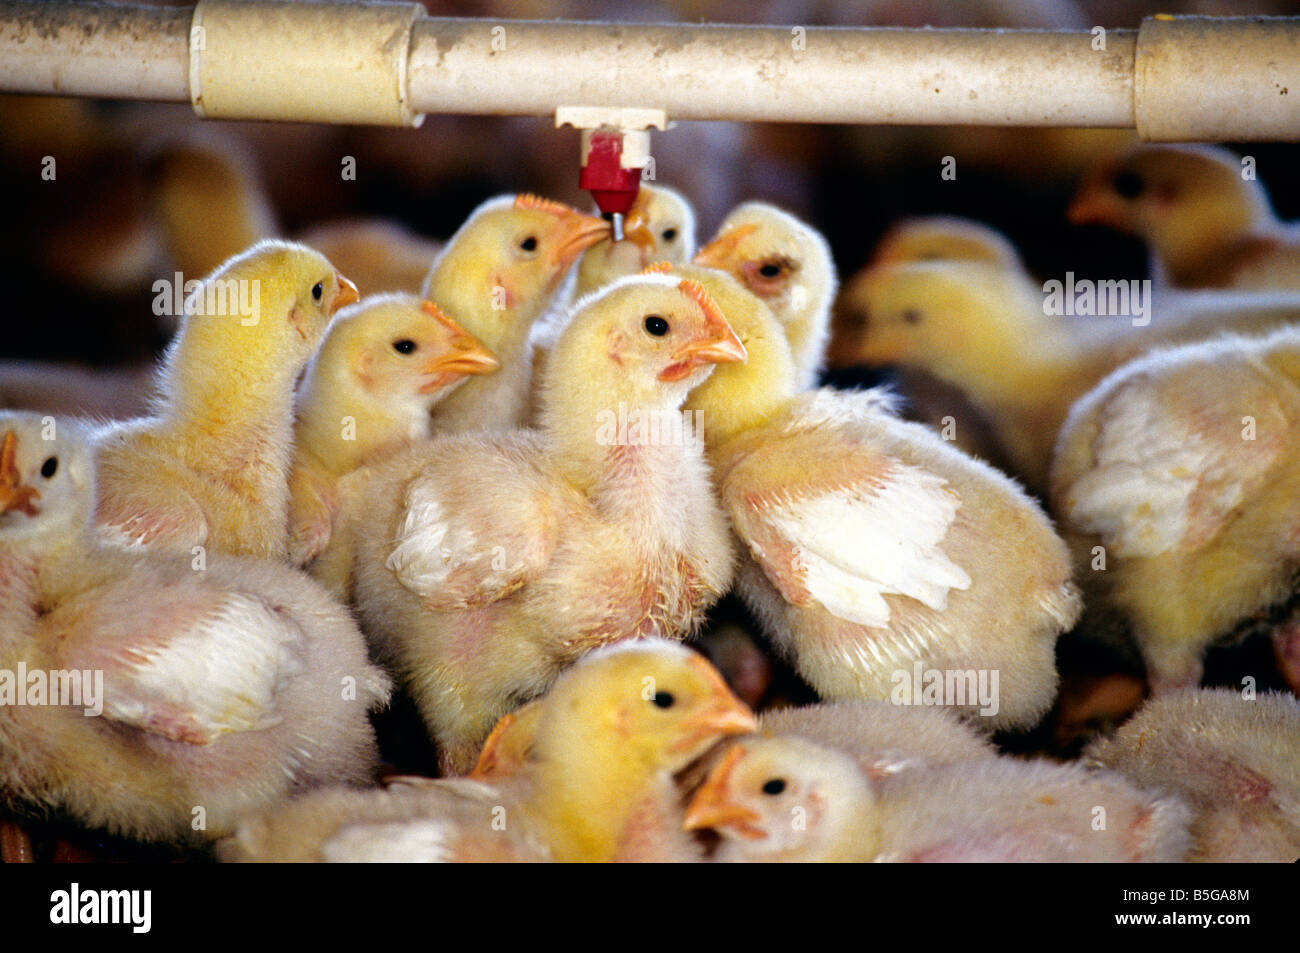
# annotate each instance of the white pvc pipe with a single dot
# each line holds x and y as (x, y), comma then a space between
(1176, 78)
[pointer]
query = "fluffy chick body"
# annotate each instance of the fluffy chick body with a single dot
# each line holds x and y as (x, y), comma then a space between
(223, 690)
(1182, 466)
(973, 578)
(1234, 760)
(587, 536)
(211, 467)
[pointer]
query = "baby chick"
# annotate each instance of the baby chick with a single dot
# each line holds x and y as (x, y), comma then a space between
(496, 277)
(787, 265)
(596, 786)
(972, 579)
(787, 799)
(211, 467)
(983, 329)
(600, 525)
(1181, 472)
(1234, 760)
(367, 393)
(219, 689)
(1207, 224)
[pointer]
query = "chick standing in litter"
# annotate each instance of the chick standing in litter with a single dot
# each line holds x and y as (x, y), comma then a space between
(788, 266)
(366, 394)
(211, 467)
(1177, 480)
(1235, 760)
(991, 810)
(1207, 221)
(877, 552)
(219, 688)
(496, 277)
(598, 526)
(598, 785)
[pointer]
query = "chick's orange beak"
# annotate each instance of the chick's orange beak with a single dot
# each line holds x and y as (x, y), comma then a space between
(713, 808)
(1091, 206)
(578, 232)
(347, 295)
(717, 344)
(638, 232)
(465, 354)
(726, 715)
(487, 763)
(14, 494)
(722, 251)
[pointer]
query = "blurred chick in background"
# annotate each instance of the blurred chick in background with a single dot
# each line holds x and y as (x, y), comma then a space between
(211, 467)
(220, 690)
(496, 277)
(991, 810)
(984, 329)
(487, 563)
(788, 266)
(384, 364)
(1234, 759)
(1184, 466)
(598, 785)
(945, 238)
(973, 578)
(1202, 212)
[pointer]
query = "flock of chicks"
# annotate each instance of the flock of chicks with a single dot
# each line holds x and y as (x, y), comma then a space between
(515, 491)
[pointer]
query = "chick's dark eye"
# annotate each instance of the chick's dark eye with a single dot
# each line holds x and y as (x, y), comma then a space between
(50, 467)
(1128, 185)
(656, 325)
(770, 270)
(529, 244)
(669, 234)
(404, 346)
(317, 290)
(663, 700)
(912, 316)
(774, 786)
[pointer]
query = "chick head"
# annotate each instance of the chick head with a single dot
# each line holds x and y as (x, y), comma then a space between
(785, 798)
(1183, 199)
(272, 301)
(777, 257)
(645, 340)
(660, 227)
(503, 264)
(398, 349)
(647, 703)
(937, 316)
(47, 477)
(741, 395)
(944, 238)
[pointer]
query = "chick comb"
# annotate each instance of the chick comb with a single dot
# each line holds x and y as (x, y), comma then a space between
(529, 200)
(696, 290)
(432, 310)
(658, 268)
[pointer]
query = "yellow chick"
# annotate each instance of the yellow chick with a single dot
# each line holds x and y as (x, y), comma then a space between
(787, 265)
(878, 554)
(367, 393)
(211, 467)
(659, 227)
(597, 786)
(789, 800)
(945, 238)
(487, 563)
(984, 329)
(1235, 760)
(1207, 223)
(1177, 480)
(219, 688)
(496, 277)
